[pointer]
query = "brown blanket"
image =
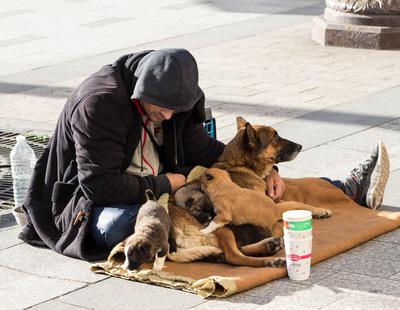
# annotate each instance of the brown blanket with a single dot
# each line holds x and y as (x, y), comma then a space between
(349, 226)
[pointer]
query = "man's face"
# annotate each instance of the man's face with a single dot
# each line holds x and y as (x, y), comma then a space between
(155, 113)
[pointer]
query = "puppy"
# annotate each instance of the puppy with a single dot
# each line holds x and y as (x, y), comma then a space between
(236, 205)
(153, 237)
(190, 198)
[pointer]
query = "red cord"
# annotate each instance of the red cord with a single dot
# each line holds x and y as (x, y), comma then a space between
(138, 107)
(144, 142)
(136, 102)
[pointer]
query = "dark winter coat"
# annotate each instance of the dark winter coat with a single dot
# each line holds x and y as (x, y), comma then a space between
(98, 130)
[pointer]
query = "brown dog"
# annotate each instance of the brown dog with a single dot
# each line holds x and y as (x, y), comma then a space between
(236, 205)
(248, 158)
(249, 162)
(153, 237)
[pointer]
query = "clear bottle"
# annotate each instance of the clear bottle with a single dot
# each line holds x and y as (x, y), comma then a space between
(23, 161)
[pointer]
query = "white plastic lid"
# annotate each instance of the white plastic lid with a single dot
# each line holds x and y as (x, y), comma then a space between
(20, 138)
(296, 215)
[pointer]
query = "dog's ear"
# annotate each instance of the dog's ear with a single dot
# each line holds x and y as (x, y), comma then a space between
(240, 123)
(144, 249)
(209, 177)
(150, 195)
(251, 138)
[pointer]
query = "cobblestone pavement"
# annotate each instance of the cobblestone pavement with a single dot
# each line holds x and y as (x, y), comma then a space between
(256, 59)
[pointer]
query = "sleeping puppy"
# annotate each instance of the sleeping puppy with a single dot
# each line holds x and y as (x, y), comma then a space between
(190, 198)
(153, 237)
(236, 205)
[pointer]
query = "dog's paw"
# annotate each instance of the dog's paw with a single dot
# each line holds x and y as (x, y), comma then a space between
(159, 263)
(273, 245)
(210, 228)
(322, 213)
(206, 231)
(276, 262)
(158, 267)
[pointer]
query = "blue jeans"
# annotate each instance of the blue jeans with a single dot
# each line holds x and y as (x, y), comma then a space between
(336, 183)
(112, 224)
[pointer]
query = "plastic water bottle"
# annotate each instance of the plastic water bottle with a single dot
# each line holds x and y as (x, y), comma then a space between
(23, 161)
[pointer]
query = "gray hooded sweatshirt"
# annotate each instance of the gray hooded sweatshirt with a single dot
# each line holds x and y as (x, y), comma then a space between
(168, 78)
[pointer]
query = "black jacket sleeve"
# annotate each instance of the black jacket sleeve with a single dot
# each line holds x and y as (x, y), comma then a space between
(199, 148)
(100, 128)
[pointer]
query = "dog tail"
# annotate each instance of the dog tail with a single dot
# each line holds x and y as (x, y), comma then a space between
(193, 254)
(150, 195)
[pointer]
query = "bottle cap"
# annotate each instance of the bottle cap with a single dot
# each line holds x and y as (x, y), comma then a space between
(20, 138)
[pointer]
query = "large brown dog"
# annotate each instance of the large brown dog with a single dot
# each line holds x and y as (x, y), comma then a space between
(248, 158)
(236, 205)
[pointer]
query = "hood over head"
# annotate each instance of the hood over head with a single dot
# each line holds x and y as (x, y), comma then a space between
(168, 78)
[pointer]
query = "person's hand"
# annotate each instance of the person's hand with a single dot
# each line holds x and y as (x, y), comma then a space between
(275, 185)
(176, 180)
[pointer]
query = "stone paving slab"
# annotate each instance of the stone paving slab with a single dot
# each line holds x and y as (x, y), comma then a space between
(124, 294)
(352, 118)
(46, 262)
(267, 6)
(9, 237)
(290, 291)
(392, 237)
(321, 161)
(236, 302)
(354, 301)
(364, 141)
(344, 119)
(361, 141)
(20, 289)
(154, 21)
(51, 305)
(7, 220)
(314, 296)
(208, 17)
(365, 261)
(362, 284)
(392, 193)
(274, 305)
(288, 55)
(375, 247)
(318, 272)
(396, 277)
(22, 126)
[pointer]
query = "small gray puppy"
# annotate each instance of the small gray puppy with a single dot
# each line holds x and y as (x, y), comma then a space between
(153, 237)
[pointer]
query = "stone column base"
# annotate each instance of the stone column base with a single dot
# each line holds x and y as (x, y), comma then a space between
(358, 36)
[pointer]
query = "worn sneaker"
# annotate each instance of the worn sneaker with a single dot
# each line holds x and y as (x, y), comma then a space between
(366, 184)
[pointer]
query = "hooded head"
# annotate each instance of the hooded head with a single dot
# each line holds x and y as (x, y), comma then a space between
(168, 78)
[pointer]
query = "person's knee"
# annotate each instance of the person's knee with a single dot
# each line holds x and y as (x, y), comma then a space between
(111, 225)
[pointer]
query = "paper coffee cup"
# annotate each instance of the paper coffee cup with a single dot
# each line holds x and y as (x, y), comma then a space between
(298, 257)
(297, 234)
(298, 243)
(297, 220)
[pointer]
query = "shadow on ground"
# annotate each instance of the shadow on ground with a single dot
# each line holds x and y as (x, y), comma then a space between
(284, 7)
(32, 89)
(326, 115)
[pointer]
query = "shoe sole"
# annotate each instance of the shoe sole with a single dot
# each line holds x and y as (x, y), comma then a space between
(379, 178)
